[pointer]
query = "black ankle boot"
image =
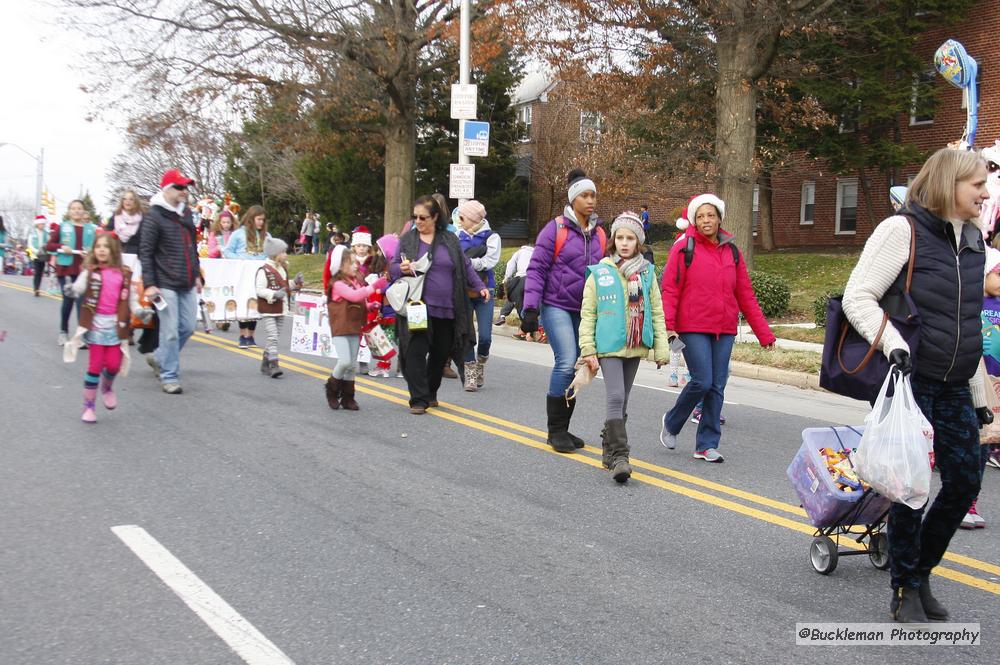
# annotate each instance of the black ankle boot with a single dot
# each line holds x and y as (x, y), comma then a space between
(577, 441)
(933, 608)
(558, 417)
(906, 606)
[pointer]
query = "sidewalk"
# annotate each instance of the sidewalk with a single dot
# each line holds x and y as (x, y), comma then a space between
(746, 335)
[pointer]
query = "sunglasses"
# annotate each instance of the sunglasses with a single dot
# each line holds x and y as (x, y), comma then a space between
(423, 218)
(182, 188)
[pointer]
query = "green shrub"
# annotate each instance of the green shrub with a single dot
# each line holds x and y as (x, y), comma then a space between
(772, 292)
(498, 271)
(819, 307)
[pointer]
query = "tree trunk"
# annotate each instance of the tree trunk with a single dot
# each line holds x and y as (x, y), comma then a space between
(736, 137)
(400, 169)
(765, 213)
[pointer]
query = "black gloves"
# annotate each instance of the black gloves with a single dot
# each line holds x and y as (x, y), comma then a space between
(985, 415)
(529, 321)
(901, 360)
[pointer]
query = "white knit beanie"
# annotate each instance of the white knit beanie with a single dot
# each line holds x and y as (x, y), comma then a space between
(701, 200)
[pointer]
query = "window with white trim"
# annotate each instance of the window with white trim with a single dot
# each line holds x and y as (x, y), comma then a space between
(524, 122)
(922, 101)
(591, 125)
(756, 208)
(847, 206)
(808, 203)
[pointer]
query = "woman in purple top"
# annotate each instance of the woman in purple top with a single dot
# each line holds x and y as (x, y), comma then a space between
(450, 277)
(553, 288)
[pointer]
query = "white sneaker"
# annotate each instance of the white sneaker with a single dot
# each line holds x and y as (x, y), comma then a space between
(373, 372)
(969, 521)
(668, 440)
(710, 455)
(63, 338)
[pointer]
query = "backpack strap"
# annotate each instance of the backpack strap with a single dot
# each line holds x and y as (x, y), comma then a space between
(562, 234)
(689, 256)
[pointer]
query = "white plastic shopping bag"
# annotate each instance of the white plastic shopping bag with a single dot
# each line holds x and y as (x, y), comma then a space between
(892, 456)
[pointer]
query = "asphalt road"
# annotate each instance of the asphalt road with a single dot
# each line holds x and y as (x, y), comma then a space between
(382, 537)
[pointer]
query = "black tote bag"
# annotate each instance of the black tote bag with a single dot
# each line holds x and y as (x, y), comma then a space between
(851, 365)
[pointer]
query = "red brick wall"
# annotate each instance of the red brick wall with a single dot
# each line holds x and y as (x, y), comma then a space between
(978, 35)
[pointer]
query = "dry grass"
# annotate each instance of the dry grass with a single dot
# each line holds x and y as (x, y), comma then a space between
(796, 361)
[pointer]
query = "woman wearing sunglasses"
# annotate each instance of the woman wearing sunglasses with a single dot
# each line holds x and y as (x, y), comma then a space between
(449, 334)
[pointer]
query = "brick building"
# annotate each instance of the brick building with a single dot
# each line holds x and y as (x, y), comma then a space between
(812, 206)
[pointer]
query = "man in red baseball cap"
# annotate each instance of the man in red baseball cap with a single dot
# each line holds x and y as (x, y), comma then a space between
(174, 178)
(168, 250)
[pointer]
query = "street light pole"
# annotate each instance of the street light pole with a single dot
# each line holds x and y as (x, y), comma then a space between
(39, 172)
(465, 37)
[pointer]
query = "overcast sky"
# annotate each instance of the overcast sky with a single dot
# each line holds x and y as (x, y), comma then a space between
(43, 107)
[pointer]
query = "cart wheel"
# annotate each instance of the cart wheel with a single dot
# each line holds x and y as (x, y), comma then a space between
(823, 555)
(878, 550)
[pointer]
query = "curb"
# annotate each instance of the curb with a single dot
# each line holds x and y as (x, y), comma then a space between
(745, 370)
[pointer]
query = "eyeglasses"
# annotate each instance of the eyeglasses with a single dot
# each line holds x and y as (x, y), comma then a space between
(422, 218)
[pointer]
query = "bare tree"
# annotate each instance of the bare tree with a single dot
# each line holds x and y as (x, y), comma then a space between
(18, 214)
(355, 63)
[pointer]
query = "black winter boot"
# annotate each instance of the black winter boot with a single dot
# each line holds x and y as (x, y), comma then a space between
(274, 370)
(347, 396)
(906, 606)
(621, 470)
(933, 608)
(265, 367)
(577, 441)
(333, 393)
(605, 447)
(558, 416)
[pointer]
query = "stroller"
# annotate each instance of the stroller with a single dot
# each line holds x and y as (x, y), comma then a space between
(856, 514)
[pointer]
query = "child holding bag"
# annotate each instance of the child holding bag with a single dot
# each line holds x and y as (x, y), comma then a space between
(347, 306)
(621, 319)
(273, 293)
(107, 303)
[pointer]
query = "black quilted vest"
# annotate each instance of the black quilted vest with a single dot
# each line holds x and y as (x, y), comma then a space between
(947, 290)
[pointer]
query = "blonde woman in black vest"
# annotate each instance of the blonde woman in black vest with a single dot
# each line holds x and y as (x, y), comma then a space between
(273, 293)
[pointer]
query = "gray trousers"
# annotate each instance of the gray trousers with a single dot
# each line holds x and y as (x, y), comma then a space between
(271, 327)
(346, 347)
(619, 375)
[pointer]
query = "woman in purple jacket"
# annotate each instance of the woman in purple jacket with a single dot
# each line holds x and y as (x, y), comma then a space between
(449, 334)
(553, 289)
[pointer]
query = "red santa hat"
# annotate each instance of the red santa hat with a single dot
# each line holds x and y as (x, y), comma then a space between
(41, 219)
(361, 236)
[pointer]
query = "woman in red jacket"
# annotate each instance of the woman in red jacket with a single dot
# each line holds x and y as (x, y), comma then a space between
(705, 287)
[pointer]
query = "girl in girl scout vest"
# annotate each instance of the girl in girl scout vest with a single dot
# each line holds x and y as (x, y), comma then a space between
(620, 321)
(273, 293)
(104, 287)
(347, 306)
(70, 241)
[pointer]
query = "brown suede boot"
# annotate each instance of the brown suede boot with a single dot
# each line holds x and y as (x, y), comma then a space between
(347, 396)
(333, 393)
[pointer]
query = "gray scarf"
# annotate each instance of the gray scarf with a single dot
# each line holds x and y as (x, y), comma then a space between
(630, 267)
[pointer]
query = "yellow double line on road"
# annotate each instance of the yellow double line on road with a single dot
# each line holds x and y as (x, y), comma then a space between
(535, 438)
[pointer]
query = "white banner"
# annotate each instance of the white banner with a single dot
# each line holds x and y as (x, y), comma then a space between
(311, 329)
(230, 291)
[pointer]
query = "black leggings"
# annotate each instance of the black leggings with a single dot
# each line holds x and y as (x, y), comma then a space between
(67, 303)
(39, 273)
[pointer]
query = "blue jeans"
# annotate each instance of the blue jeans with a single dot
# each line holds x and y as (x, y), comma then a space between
(563, 331)
(177, 321)
(483, 310)
(707, 358)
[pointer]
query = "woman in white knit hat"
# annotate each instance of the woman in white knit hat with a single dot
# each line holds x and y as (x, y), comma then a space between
(705, 286)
